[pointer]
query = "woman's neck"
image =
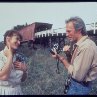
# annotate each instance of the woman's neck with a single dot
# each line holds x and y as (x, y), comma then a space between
(6, 50)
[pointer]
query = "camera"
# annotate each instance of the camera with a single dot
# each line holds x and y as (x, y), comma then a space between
(56, 48)
(18, 59)
(21, 58)
(52, 52)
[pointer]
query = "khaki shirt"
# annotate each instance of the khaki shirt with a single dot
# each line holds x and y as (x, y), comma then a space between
(84, 65)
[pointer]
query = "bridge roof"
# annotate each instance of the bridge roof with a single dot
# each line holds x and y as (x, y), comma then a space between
(40, 26)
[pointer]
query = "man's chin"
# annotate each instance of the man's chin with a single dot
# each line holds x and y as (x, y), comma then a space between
(71, 40)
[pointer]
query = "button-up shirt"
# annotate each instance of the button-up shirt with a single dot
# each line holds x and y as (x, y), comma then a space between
(83, 65)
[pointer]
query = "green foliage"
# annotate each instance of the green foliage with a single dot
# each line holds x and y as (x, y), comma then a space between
(42, 77)
(19, 27)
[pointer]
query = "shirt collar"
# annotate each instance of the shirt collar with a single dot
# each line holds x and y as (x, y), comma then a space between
(81, 40)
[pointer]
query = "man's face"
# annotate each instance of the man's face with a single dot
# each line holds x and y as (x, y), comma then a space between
(71, 33)
(14, 41)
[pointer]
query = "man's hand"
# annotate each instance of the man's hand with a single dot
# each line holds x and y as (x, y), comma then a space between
(61, 58)
(54, 56)
(66, 48)
(20, 66)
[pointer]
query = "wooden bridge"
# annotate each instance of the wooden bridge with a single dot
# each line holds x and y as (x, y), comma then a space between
(42, 33)
(51, 32)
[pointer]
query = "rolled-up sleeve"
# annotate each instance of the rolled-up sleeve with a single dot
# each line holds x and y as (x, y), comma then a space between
(70, 69)
(82, 63)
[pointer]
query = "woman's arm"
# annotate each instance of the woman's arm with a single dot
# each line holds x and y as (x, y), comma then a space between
(23, 67)
(5, 71)
(6, 68)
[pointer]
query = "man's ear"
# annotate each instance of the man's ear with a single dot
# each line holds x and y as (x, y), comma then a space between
(79, 31)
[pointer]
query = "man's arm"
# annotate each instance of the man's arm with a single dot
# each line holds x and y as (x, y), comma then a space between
(67, 65)
(68, 55)
(66, 49)
(64, 61)
(82, 63)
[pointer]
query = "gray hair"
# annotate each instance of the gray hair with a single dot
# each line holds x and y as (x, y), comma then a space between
(78, 24)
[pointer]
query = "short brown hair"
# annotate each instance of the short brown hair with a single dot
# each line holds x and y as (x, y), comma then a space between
(10, 33)
(78, 24)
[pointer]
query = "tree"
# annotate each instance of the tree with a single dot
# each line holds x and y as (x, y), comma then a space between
(19, 27)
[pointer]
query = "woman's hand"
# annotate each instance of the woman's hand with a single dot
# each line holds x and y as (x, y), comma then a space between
(20, 66)
(8, 50)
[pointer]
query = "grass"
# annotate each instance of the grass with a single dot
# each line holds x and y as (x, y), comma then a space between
(42, 77)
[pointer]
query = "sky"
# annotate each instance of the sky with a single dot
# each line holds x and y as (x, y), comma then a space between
(12, 14)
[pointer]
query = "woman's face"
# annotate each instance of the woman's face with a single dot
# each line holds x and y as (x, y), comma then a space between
(14, 41)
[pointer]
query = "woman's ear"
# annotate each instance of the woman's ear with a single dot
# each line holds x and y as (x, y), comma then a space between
(7, 40)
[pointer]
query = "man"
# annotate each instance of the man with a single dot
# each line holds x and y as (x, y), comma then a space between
(83, 65)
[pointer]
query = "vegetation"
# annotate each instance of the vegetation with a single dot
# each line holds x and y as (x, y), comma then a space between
(19, 27)
(42, 77)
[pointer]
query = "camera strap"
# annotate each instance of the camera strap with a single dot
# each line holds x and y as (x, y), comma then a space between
(57, 70)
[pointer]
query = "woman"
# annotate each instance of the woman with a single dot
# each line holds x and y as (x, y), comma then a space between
(12, 72)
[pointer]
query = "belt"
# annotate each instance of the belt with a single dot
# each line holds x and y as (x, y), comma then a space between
(84, 83)
(8, 84)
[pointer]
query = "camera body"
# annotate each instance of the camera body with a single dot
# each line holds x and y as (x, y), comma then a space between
(21, 58)
(56, 48)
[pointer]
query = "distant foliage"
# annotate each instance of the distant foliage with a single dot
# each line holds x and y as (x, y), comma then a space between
(1, 45)
(19, 27)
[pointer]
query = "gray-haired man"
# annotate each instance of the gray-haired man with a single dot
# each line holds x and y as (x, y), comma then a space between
(83, 65)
